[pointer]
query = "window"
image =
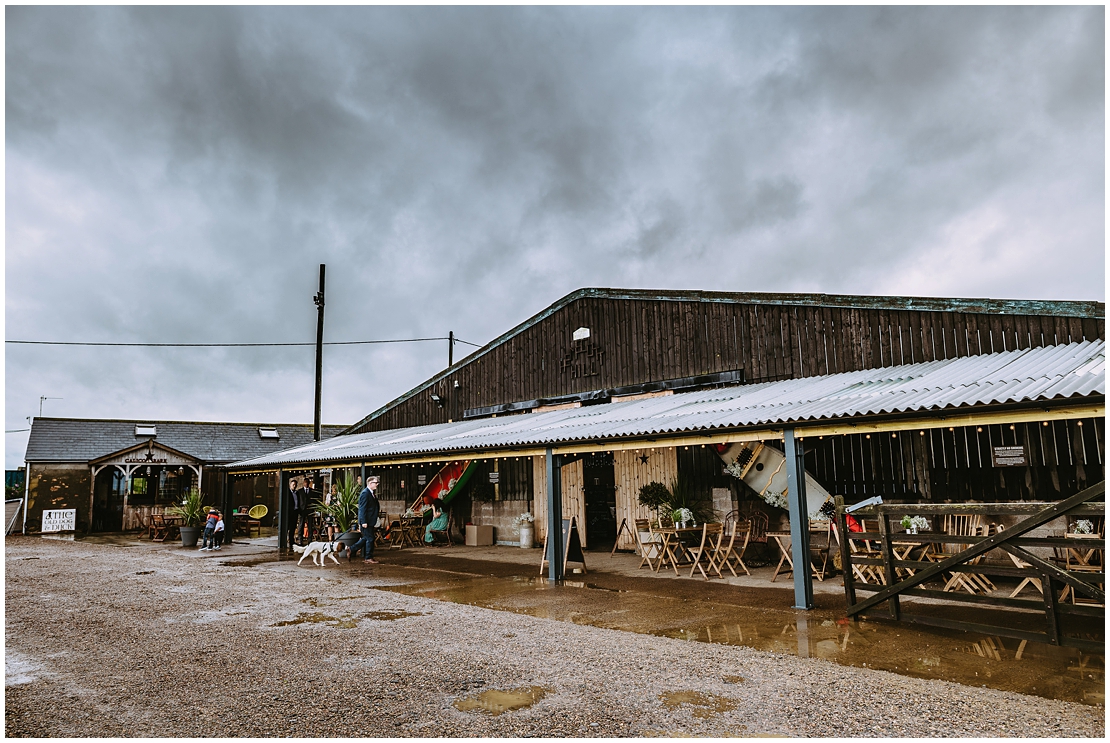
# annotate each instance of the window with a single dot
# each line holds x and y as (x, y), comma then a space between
(268, 432)
(146, 429)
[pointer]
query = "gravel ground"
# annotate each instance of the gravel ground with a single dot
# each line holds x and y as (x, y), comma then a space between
(110, 641)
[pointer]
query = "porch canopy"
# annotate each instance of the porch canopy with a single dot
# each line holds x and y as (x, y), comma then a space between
(1037, 384)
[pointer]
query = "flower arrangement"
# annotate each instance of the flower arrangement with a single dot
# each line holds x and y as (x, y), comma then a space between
(1083, 526)
(524, 518)
(913, 523)
(778, 500)
(682, 515)
(735, 469)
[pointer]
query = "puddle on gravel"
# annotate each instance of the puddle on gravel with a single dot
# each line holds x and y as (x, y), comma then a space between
(704, 705)
(494, 702)
(973, 659)
(390, 615)
(346, 621)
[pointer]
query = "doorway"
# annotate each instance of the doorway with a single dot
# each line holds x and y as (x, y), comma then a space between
(599, 486)
(108, 502)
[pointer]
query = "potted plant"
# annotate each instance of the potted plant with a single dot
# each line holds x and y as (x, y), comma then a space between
(344, 509)
(655, 496)
(191, 512)
(524, 524)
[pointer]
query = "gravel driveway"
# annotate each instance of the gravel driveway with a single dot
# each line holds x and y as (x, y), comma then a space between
(104, 640)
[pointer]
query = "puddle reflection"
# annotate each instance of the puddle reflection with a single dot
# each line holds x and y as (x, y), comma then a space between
(932, 653)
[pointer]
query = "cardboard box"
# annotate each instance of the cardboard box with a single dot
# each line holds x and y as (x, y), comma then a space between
(478, 535)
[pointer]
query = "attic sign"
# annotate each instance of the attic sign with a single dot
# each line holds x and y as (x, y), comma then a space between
(1008, 456)
(63, 519)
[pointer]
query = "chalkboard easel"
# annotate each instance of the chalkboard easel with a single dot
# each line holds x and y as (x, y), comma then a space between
(572, 546)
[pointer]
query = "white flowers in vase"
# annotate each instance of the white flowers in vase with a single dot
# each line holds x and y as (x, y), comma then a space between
(913, 523)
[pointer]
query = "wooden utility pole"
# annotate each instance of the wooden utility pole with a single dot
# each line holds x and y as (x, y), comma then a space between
(319, 299)
(450, 349)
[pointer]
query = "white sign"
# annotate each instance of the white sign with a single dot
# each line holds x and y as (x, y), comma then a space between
(64, 519)
(581, 334)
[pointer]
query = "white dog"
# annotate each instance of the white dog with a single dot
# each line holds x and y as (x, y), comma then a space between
(318, 551)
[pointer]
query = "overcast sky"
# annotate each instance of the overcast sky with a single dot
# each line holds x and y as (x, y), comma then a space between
(178, 174)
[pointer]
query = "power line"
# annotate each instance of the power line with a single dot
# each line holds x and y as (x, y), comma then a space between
(16, 430)
(230, 345)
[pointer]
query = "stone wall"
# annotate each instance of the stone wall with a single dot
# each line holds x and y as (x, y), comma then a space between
(500, 515)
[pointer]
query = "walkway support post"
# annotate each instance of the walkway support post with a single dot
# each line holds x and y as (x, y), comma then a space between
(799, 519)
(554, 515)
(284, 504)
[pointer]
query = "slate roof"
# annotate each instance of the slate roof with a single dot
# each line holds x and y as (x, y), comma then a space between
(85, 439)
(1075, 371)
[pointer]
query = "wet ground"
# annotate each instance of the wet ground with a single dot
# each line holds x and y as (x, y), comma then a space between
(751, 612)
(472, 642)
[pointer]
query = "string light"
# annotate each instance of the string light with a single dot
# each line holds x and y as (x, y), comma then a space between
(894, 435)
(1078, 423)
(979, 429)
(868, 435)
(921, 432)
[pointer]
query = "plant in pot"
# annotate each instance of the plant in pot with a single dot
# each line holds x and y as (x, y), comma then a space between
(191, 513)
(655, 496)
(686, 505)
(344, 509)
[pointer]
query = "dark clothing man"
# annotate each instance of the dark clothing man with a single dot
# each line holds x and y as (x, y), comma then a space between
(368, 511)
(294, 510)
(305, 497)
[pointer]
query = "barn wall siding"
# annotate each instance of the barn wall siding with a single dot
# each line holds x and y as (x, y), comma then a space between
(633, 341)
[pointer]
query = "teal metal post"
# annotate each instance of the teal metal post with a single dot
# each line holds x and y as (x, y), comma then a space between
(799, 519)
(554, 516)
(284, 504)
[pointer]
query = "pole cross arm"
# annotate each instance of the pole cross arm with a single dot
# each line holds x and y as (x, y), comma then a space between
(1051, 570)
(982, 547)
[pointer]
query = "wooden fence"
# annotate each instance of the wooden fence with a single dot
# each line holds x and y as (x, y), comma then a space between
(1052, 574)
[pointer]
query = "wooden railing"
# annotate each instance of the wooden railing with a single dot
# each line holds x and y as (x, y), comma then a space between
(1015, 540)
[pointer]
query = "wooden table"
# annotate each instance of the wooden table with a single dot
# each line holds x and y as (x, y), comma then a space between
(782, 538)
(903, 550)
(672, 548)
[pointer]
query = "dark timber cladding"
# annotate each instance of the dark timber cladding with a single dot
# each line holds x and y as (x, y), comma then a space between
(642, 336)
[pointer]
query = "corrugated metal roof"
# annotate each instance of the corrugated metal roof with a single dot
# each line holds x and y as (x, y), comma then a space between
(1035, 374)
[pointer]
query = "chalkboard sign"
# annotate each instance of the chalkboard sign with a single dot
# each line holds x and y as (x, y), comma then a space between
(572, 546)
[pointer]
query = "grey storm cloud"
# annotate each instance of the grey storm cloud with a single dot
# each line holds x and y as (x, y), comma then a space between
(177, 174)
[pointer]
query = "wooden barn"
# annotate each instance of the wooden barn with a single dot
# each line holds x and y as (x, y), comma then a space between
(597, 349)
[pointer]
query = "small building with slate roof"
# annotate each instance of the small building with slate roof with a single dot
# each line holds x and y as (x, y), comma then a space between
(115, 473)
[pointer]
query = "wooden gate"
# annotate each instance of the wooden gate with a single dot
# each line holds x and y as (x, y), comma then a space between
(872, 563)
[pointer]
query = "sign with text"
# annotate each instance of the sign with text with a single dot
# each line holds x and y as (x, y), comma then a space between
(1008, 456)
(495, 477)
(421, 479)
(63, 519)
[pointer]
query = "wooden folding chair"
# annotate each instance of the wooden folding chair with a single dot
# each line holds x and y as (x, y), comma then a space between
(442, 534)
(964, 525)
(649, 544)
(820, 544)
(738, 534)
(711, 535)
(1022, 564)
(159, 530)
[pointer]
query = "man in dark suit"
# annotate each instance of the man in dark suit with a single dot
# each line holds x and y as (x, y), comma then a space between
(305, 498)
(368, 511)
(294, 510)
